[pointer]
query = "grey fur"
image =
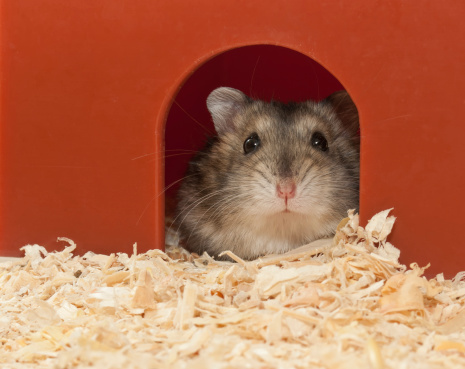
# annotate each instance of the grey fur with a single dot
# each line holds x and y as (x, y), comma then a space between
(228, 200)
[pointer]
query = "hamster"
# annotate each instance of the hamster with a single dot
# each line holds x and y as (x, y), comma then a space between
(276, 176)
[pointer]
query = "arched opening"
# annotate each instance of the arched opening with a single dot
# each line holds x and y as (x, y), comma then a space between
(261, 71)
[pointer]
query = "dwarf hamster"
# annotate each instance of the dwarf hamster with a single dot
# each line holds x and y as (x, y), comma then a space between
(276, 176)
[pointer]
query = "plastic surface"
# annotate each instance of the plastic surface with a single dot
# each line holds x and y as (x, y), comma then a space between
(86, 87)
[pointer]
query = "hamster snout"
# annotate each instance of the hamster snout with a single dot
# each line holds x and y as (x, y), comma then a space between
(285, 189)
(275, 177)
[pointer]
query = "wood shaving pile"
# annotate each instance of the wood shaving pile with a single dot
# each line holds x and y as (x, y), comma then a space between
(340, 303)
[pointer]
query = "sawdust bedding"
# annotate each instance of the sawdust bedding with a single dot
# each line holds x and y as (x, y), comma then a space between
(339, 303)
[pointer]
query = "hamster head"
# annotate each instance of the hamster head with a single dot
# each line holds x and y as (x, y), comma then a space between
(276, 176)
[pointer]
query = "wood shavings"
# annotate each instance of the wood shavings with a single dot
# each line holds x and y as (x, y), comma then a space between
(344, 302)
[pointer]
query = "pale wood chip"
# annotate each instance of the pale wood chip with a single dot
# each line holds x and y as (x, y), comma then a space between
(344, 302)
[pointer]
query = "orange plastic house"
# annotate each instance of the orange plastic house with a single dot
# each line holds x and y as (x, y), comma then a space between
(87, 87)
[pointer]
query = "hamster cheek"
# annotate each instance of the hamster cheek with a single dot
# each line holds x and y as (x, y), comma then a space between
(258, 196)
(315, 193)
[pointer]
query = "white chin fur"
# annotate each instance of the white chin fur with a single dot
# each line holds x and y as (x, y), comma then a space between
(278, 233)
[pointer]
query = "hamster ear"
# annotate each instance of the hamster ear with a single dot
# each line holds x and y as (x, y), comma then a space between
(224, 103)
(346, 111)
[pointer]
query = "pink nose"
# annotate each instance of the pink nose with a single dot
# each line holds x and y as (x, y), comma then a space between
(286, 189)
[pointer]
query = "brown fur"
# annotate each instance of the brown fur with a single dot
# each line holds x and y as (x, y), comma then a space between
(228, 199)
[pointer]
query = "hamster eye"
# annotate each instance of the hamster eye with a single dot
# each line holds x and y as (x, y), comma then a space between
(251, 143)
(319, 141)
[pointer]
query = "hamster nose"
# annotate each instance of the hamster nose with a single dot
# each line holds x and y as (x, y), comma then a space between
(286, 189)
